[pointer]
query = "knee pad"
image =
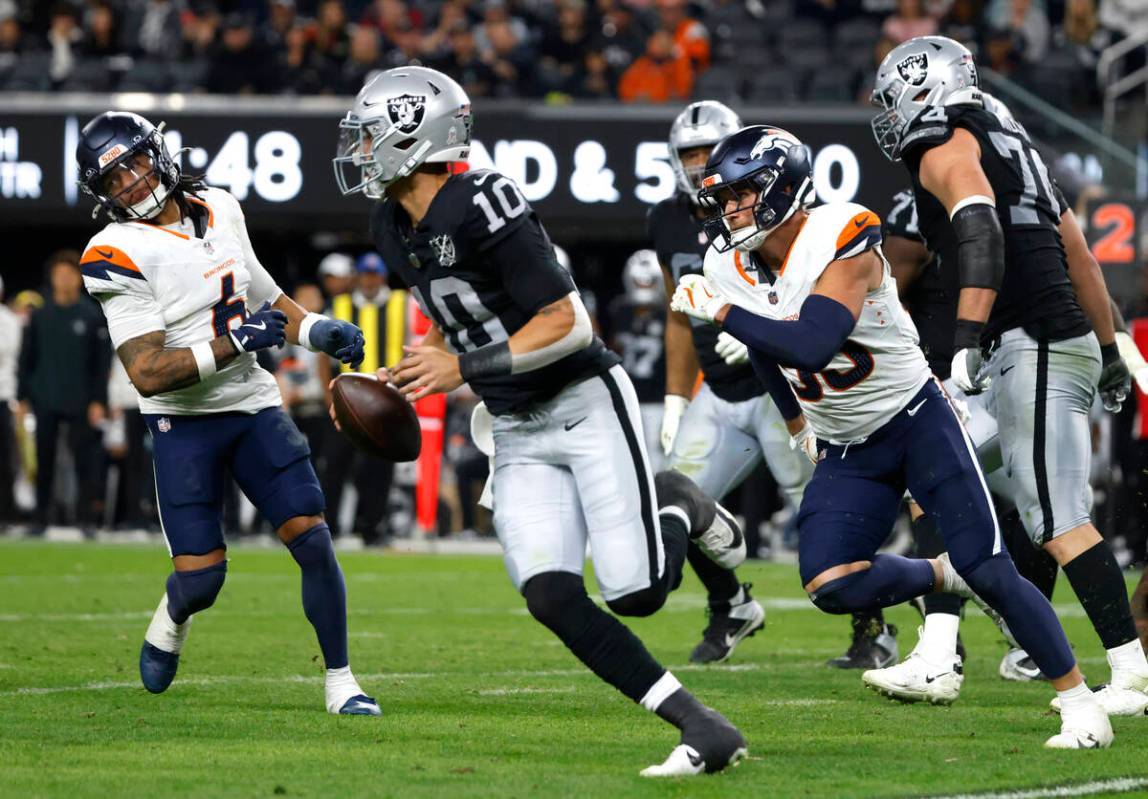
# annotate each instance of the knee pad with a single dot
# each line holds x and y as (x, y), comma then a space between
(842, 595)
(192, 591)
(645, 602)
(553, 598)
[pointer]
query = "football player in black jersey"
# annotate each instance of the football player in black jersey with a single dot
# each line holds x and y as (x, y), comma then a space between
(637, 334)
(569, 460)
(987, 209)
(720, 436)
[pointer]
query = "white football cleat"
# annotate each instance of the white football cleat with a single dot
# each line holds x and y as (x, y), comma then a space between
(1018, 666)
(917, 680)
(722, 541)
(685, 761)
(1126, 695)
(1085, 727)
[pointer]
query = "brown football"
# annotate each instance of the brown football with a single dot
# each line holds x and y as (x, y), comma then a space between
(376, 418)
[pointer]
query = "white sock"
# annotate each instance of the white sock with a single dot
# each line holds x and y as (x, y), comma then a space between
(1075, 697)
(165, 634)
(938, 642)
(660, 691)
(738, 598)
(1128, 657)
(340, 686)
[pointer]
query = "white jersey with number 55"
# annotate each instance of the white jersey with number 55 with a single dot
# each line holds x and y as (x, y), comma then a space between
(879, 368)
(150, 278)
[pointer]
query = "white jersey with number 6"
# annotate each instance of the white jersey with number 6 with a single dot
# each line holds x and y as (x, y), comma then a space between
(149, 278)
(879, 368)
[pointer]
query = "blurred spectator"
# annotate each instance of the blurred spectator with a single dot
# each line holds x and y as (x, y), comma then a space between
(155, 26)
(13, 42)
(381, 314)
(10, 330)
(332, 43)
(336, 274)
(463, 63)
(408, 46)
(199, 32)
(596, 79)
(961, 23)
(1125, 17)
(1026, 21)
(620, 40)
(1002, 52)
(300, 71)
(909, 22)
(1081, 33)
(564, 45)
(239, 66)
(510, 59)
(63, 381)
(690, 36)
(391, 17)
(125, 440)
(281, 19)
(365, 59)
(660, 76)
(64, 36)
(451, 17)
(497, 13)
(101, 37)
(302, 388)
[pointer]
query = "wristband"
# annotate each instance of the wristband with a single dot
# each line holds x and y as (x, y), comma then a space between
(305, 329)
(493, 360)
(1109, 353)
(204, 359)
(968, 335)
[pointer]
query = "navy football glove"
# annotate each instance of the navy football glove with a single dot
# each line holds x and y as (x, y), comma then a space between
(339, 339)
(265, 328)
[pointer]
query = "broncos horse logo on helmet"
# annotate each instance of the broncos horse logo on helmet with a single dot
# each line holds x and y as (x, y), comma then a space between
(120, 144)
(766, 167)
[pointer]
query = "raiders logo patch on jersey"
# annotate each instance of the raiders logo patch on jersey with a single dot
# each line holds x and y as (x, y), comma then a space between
(406, 111)
(444, 250)
(914, 68)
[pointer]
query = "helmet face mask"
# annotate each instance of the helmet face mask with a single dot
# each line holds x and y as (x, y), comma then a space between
(118, 151)
(402, 119)
(643, 279)
(701, 124)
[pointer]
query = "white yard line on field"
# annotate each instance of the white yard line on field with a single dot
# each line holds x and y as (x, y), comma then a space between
(1117, 785)
(237, 679)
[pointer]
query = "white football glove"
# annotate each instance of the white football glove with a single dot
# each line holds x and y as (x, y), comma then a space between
(675, 409)
(695, 297)
(1135, 360)
(730, 349)
(806, 441)
(968, 371)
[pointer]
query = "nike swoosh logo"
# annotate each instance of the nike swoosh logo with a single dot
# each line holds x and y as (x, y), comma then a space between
(361, 704)
(571, 425)
(913, 411)
(860, 224)
(696, 760)
(930, 679)
(260, 326)
(729, 641)
(1007, 369)
(106, 254)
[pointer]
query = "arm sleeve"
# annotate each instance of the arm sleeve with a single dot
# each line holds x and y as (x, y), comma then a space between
(530, 274)
(775, 383)
(807, 343)
(130, 314)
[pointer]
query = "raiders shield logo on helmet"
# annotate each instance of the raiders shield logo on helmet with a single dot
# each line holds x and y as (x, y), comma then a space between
(406, 111)
(914, 68)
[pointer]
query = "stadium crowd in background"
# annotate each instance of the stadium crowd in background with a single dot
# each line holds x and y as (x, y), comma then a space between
(633, 50)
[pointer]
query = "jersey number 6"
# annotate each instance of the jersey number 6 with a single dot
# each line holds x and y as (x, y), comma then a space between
(810, 389)
(229, 306)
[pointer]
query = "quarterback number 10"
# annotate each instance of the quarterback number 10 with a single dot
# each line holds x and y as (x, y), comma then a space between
(510, 200)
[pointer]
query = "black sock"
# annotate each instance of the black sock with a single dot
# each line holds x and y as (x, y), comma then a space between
(721, 584)
(1096, 578)
(1033, 563)
(676, 543)
(604, 644)
(928, 543)
(681, 709)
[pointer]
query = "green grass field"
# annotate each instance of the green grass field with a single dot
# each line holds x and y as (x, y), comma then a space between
(479, 700)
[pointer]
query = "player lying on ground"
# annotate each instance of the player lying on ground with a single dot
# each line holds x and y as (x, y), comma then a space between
(569, 460)
(987, 208)
(175, 274)
(811, 292)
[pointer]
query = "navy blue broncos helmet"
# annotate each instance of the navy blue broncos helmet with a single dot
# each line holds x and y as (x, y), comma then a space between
(766, 166)
(116, 140)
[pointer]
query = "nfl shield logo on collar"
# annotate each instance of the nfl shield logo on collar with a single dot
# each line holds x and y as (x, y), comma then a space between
(164, 424)
(772, 297)
(208, 246)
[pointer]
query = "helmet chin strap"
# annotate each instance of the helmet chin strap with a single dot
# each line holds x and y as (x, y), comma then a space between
(755, 239)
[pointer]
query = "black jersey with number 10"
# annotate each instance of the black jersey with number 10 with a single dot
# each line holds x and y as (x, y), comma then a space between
(481, 266)
(1036, 293)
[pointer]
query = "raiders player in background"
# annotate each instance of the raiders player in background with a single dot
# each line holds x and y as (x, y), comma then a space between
(569, 459)
(637, 334)
(986, 207)
(719, 437)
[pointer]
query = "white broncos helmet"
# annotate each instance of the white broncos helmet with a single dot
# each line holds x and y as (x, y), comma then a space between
(701, 124)
(402, 118)
(923, 73)
(642, 277)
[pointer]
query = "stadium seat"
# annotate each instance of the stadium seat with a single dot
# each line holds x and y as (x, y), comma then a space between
(719, 83)
(147, 76)
(89, 75)
(774, 86)
(188, 76)
(30, 73)
(831, 86)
